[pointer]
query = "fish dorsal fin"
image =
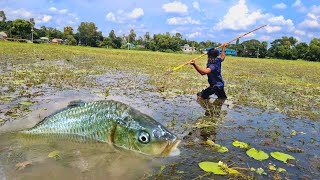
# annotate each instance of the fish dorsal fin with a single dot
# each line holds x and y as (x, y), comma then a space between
(75, 103)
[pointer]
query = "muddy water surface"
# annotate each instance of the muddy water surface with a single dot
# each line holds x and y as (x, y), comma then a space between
(181, 113)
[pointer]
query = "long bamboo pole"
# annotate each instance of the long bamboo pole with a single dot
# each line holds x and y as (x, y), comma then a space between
(178, 67)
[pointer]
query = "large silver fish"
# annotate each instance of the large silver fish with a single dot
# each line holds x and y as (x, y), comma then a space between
(110, 122)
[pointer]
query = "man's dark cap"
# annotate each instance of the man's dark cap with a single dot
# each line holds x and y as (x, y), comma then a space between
(213, 52)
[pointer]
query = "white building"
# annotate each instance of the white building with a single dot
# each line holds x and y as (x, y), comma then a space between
(187, 49)
(3, 35)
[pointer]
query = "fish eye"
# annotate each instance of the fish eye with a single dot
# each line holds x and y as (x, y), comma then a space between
(144, 137)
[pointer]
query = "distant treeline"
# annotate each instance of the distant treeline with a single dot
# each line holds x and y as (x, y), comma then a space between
(88, 35)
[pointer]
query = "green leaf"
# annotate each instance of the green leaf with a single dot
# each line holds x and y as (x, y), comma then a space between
(210, 142)
(212, 167)
(233, 171)
(242, 145)
(272, 168)
(218, 147)
(26, 103)
(281, 156)
(281, 170)
(222, 149)
(261, 171)
(258, 155)
(54, 154)
(293, 132)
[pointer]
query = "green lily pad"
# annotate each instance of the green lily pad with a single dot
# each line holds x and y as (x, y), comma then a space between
(242, 145)
(281, 156)
(54, 154)
(257, 155)
(212, 167)
(26, 103)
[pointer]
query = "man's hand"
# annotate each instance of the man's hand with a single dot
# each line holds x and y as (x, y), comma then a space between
(192, 62)
(224, 45)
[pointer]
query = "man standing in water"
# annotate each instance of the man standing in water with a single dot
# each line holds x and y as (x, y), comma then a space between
(213, 71)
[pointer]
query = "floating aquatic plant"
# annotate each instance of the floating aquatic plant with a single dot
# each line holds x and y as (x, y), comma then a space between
(54, 154)
(242, 145)
(217, 168)
(281, 156)
(218, 147)
(26, 103)
(257, 155)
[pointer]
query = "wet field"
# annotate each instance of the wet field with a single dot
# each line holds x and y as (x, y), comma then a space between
(34, 86)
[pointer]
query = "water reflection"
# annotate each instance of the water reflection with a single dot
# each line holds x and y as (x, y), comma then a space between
(205, 126)
(76, 160)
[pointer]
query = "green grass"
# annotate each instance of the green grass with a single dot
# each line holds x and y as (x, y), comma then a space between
(290, 87)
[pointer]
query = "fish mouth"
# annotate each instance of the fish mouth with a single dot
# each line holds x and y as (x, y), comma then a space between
(171, 146)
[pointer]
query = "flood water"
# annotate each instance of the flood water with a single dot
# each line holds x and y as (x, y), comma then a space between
(180, 113)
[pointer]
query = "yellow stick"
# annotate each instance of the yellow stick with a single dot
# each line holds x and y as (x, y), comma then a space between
(180, 66)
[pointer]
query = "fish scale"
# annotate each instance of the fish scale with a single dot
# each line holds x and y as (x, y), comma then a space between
(108, 121)
(93, 120)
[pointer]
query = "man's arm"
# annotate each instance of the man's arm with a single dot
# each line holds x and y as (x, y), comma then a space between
(223, 51)
(199, 69)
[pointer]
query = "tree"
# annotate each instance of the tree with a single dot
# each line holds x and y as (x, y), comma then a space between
(70, 40)
(250, 48)
(88, 34)
(21, 28)
(314, 50)
(132, 36)
(147, 36)
(283, 48)
(3, 26)
(3, 16)
(112, 35)
(300, 50)
(54, 33)
(263, 51)
(67, 31)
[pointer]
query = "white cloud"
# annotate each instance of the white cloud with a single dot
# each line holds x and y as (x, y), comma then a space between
(265, 38)
(62, 11)
(111, 17)
(299, 5)
(175, 7)
(299, 32)
(315, 9)
(13, 14)
(312, 21)
(194, 35)
(196, 5)
(280, 6)
(55, 10)
(239, 17)
(271, 29)
(136, 13)
(310, 35)
(46, 18)
(181, 21)
(121, 16)
(279, 20)
(211, 35)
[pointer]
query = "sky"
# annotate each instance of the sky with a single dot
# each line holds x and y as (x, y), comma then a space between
(199, 20)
